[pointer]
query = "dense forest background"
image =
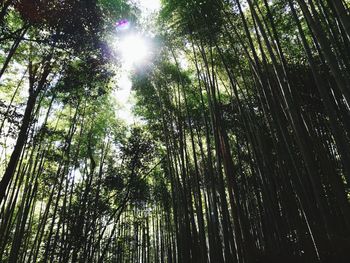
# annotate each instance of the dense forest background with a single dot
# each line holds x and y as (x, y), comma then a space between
(241, 155)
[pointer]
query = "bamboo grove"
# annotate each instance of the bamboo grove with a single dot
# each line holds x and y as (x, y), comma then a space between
(242, 154)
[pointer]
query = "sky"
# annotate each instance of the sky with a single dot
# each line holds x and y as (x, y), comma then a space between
(149, 5)
(134, 50)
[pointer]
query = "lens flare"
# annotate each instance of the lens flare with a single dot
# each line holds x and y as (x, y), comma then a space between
(122, 24)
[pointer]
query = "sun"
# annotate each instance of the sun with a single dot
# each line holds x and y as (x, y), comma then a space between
(133, 49)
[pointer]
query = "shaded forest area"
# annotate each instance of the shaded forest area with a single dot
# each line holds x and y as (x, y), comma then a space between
(242, 155)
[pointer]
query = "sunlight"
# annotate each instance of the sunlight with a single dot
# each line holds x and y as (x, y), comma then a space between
(150, 5)
(133, 49)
